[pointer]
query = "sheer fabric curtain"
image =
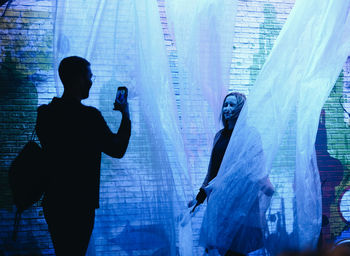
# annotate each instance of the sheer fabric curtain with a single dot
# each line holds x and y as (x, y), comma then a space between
(143, 194)
(202, 32)
(275, 135)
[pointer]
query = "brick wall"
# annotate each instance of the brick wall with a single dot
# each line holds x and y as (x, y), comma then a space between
(26, 80)
(26, 32)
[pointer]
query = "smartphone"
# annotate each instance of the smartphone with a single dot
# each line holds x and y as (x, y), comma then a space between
(121, 97)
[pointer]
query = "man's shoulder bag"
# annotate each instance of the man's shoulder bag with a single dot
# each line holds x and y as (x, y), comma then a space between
(27, 178)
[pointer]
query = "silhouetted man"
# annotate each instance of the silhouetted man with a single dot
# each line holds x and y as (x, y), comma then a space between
(73, 136)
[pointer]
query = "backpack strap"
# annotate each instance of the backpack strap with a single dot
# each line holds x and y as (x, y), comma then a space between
(16, 224)
(32, 137)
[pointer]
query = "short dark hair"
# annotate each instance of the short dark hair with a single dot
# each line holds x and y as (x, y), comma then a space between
(71, 68)
(241, 98)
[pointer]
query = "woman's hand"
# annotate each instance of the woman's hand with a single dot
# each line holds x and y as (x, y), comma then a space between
(267, 187)
(200, 198)
(191, 203)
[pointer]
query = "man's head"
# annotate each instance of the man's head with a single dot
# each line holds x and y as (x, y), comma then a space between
(75, 74)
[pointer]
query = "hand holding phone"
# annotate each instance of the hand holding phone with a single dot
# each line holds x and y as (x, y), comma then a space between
(121, 98)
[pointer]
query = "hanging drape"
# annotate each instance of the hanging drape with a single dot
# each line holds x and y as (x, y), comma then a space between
(143, 194)
(122, 40)
(202, 32)
(274, 139)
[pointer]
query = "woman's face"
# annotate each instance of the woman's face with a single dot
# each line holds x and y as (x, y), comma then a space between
(229, 107)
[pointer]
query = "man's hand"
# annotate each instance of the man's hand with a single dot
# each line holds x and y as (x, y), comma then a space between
(123, 108)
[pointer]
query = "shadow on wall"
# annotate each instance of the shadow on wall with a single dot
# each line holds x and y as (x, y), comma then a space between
(143, 238)
(18, 104)
(25, 62)
(331, 174)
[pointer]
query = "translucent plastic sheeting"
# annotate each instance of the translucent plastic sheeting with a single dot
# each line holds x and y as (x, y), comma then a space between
(143, 194)
(203, 32)
(274, 139)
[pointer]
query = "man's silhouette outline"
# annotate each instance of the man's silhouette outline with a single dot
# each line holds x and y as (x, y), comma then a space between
(73, 136)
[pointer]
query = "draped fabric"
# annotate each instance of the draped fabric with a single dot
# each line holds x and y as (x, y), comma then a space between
(274, 139)
(124, 43)
(202, 32)
(143, 194)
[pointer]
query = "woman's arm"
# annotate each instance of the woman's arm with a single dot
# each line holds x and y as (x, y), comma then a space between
(201, 196)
